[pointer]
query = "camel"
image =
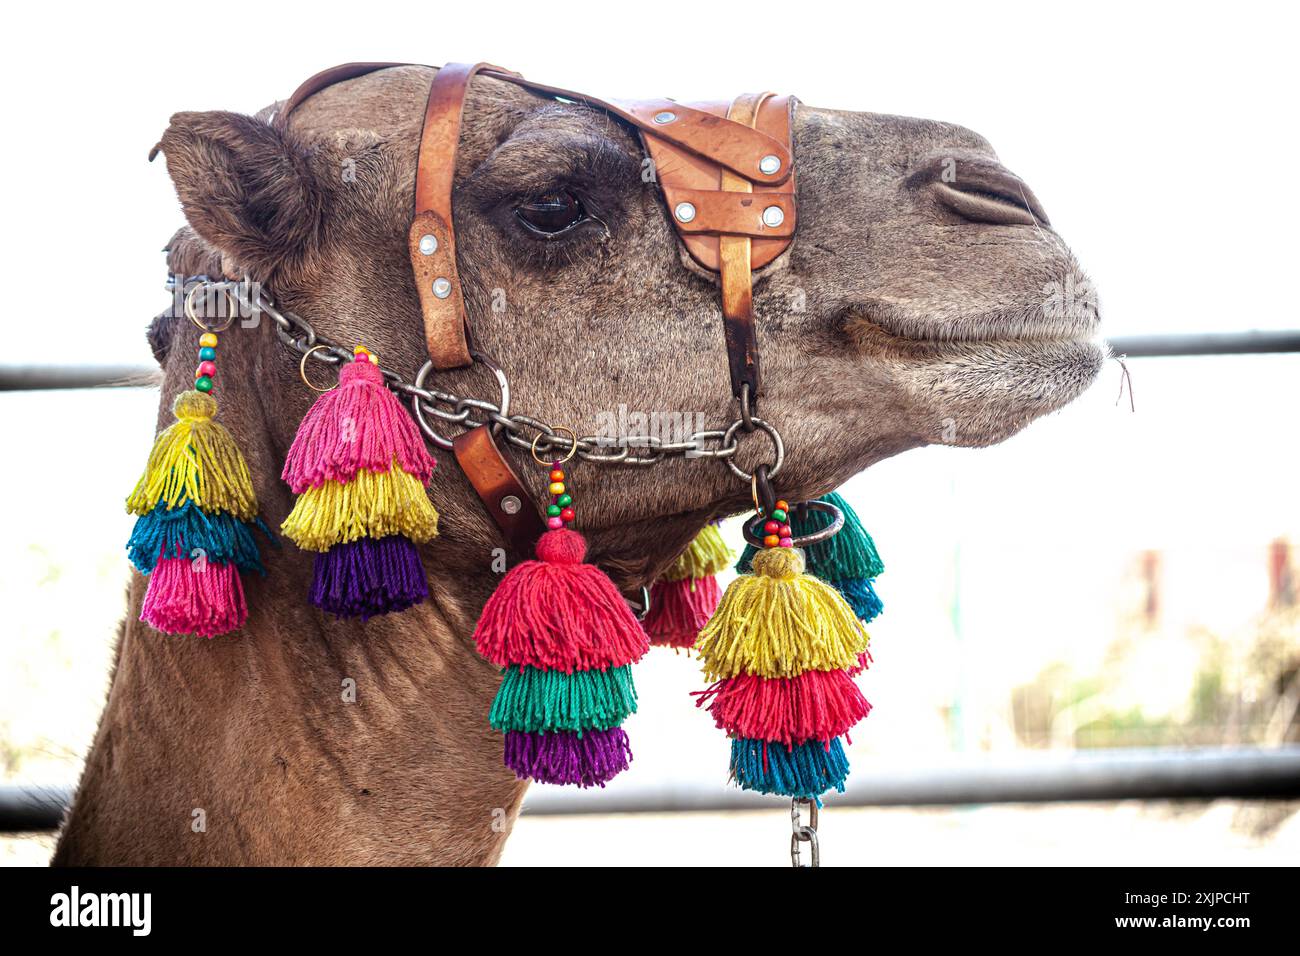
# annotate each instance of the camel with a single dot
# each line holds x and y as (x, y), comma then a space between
(912, 308)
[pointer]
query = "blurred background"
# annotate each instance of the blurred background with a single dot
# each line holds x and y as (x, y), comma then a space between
(1120, 578)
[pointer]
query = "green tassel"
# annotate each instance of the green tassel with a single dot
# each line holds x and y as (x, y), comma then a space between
(534, 701)
(850, 555)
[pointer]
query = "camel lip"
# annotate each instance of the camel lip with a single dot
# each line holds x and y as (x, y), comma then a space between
(1034, 326)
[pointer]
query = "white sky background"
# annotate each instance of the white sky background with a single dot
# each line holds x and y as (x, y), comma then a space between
(1159, 137)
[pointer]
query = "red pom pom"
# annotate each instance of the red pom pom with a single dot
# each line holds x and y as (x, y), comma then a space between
(558, 613)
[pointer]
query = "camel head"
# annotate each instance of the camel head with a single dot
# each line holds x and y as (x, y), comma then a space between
(925, 297)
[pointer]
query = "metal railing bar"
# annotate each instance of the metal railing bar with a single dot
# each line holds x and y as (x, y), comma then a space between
(1101, 776)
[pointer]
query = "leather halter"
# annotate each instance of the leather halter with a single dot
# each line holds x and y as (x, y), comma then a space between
(727, 175)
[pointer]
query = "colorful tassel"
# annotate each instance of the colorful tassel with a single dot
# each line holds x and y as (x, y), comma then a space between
(685, 596)
(781, 652)
(196, 511)
(780, 622)
(566, 639)
(590, 759)
(359, 467)
(805, 771)
(849, 561)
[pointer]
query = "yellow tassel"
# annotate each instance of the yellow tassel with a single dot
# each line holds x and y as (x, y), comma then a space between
(371, 505)
(195, 460)
(707, 555)
(780, 622)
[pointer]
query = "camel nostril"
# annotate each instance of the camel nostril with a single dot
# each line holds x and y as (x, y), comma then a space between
(984, 192)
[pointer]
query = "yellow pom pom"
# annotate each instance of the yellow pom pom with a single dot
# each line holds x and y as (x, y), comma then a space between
(704, 557)
(780, 622)
(195, 459)
(371, 505)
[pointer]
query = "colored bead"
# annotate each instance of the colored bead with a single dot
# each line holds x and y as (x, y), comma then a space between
(207, 368)
(554, 523)
(557, 475)
(771, 527)
(564, 501)
(787, 542)
(781, 504)
(779, 514)
(567, 515)
(552, 511)
(203, 384)
(771, 541)
(208, 340)
(207, 354)
(557, 487)
(784, 531)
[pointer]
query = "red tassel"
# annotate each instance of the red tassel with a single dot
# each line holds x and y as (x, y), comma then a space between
(557, 613)
(678, 609)
(189, 597)
(816, 705)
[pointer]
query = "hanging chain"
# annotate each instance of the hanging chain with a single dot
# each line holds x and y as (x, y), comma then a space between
(522, 431)
(804, 833)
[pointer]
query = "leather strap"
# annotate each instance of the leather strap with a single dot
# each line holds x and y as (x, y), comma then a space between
(502, 493)
(736, 276)
(431, 238)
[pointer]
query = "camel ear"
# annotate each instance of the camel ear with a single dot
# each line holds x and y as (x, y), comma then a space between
(246, 187)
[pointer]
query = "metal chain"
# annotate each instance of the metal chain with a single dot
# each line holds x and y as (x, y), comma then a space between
(519, 430)
(804, 833)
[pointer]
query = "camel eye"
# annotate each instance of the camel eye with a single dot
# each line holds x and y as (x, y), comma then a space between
(552, 215)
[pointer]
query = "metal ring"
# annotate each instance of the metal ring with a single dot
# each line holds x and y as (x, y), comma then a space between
(193, 316)
(803, 541)
(302, 369)
(438, 439)
(775, 468)
(573, 445)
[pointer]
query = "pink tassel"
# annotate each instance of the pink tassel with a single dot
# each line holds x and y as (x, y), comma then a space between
(816, 705)
(360, 424)
(189, 598)
(678, 609)
(557, 613)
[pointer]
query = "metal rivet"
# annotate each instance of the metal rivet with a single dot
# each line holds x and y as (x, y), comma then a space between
(666, 116)
(428, 245)
(442, 288)
(684, 212)
(769, 164)
(510, 505)
(773, 216)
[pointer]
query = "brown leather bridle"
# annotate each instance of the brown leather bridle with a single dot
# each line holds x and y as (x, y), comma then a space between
(727, 176)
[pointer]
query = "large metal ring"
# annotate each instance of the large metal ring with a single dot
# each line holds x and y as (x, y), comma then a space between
(772, 433)
(803, 541)
(503, 384)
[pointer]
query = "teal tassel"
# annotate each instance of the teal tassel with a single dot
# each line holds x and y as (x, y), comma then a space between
(180, 532)
(849, 556)
(862, 598)
(807, 770)
(536, 701)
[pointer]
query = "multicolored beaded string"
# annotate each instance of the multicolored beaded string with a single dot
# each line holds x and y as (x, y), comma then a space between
(560, 511)
(207, 363)
(776, 530)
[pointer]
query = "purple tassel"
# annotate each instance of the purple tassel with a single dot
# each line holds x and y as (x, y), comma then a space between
(369, 576)
(591, 758)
